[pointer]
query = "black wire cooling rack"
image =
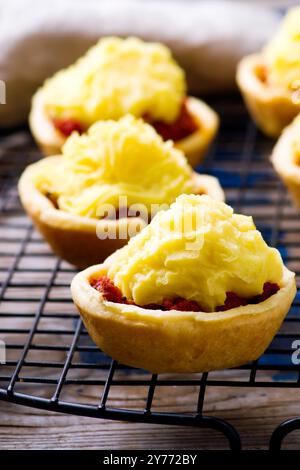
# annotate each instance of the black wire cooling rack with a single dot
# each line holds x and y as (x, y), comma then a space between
(47, 348)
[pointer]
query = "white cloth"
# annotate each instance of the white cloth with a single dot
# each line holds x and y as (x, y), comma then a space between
(207, 38)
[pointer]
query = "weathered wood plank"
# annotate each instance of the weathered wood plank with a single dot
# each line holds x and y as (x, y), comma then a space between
(254, 413)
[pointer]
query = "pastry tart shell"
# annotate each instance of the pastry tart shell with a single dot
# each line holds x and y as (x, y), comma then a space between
(272, 108)
(284, 161)
(174, 341)
(50, 140)
(73, 237)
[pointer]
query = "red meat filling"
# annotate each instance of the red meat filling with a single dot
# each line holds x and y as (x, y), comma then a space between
(233, 300)
(113, 294)
(67, 125)
(109, 291)
(184, 125)
(124, 212)
(263, 74)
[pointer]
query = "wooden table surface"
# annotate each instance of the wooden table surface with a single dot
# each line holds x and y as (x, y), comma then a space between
(254, 413)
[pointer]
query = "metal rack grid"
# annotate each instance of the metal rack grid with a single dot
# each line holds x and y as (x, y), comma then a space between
(46, 344)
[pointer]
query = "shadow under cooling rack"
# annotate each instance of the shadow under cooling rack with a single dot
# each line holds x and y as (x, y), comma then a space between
(51, 362)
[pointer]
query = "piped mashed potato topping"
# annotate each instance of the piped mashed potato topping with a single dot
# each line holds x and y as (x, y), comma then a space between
(198, 250)
(282, 54)
(115, 77)
(112, 160)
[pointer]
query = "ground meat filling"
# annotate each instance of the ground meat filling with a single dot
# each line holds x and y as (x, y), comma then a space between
(112, 293)
(52, 198)
(263, 74)
(109, 291)
(184, 125)
(67, 126)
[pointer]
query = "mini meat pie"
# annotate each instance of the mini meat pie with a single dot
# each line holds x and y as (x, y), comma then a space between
(198, 289)
(286, 159)
(119, 76)
(105, 187)
(270, 80)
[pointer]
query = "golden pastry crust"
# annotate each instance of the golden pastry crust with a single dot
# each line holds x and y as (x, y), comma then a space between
(194, 146)
(272, 108)
(73, 237)
(284, 161)
(48, 138)
(173, 341)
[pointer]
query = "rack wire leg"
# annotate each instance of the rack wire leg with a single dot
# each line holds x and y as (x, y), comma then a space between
(282, 431)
